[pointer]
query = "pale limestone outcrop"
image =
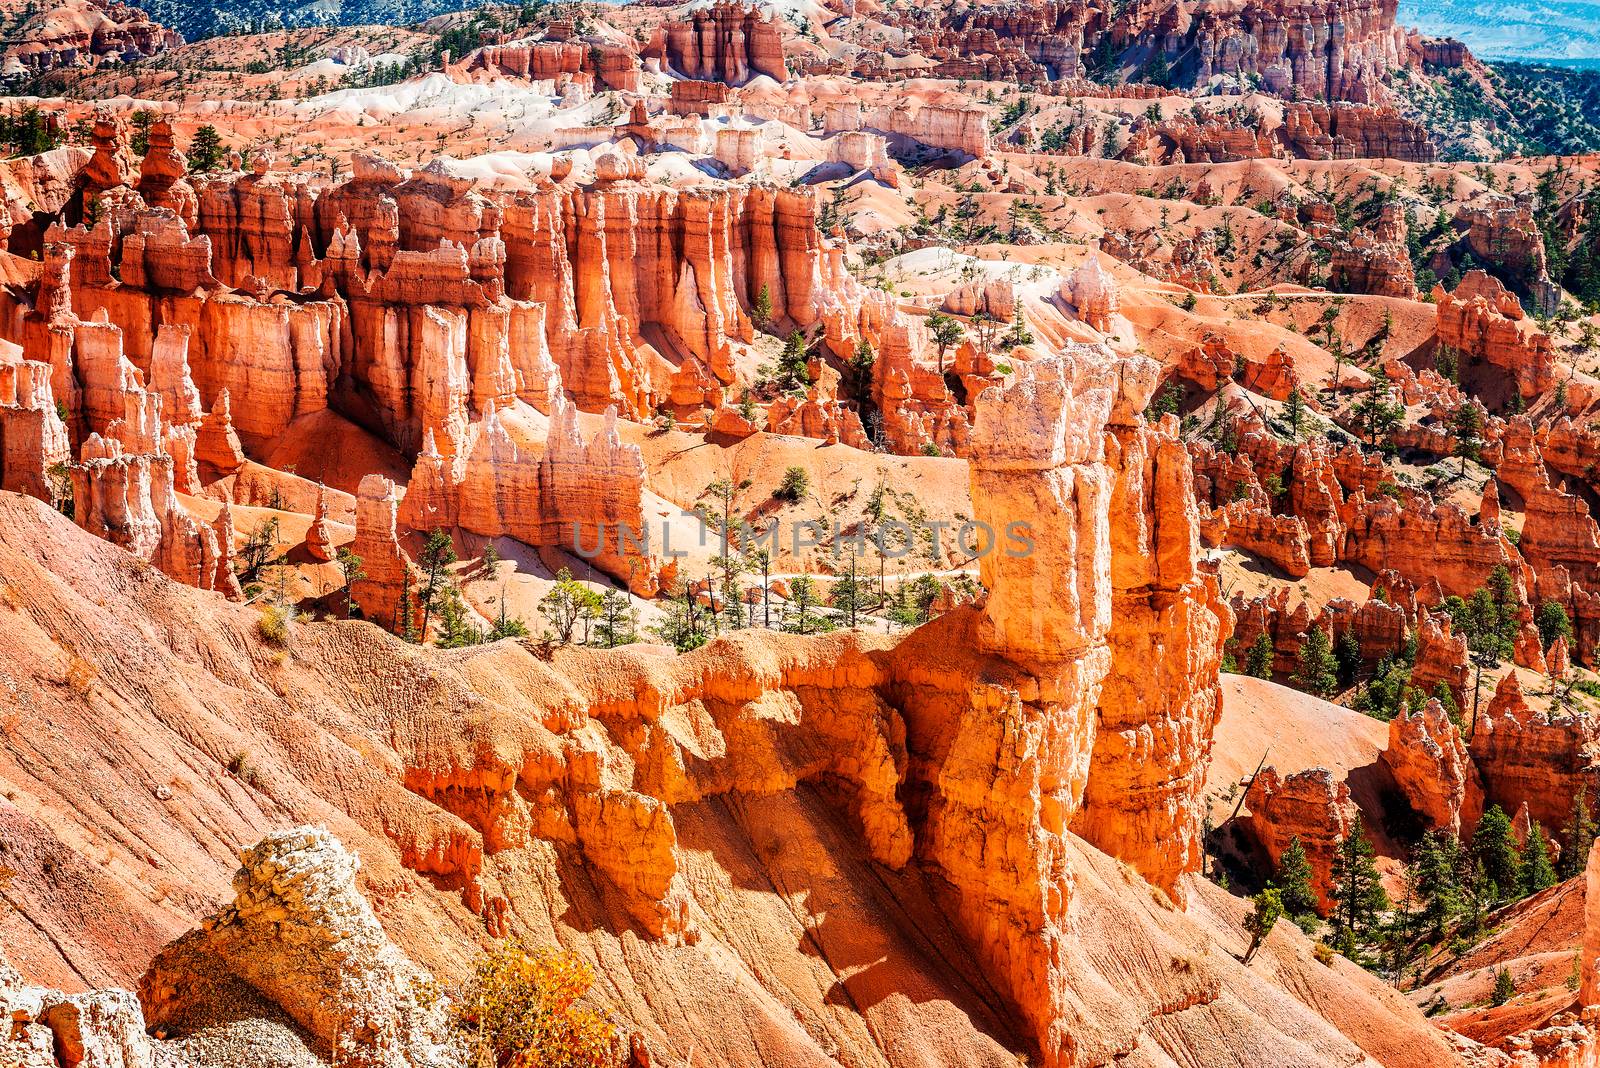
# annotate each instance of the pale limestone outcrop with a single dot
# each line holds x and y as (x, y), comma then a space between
(300, 936)
(50, 1029)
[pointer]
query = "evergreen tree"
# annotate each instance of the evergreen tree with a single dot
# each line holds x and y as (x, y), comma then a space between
(1295, 409)
(205, 149)
(1347, 655)
(1266, 914)
(143, 119)
(762, 312)
(1294, 880)
(1467, 426)
(793, 370)
(803, 597)
(1537, 871)
(438, 553)
(1504, 987)
(680, 625)
(456, 628)
(1442, 694)
(1258, 661)
(1494, 846)
(1578, 836)
(1378, 414)
(946, 331)
(1318, 671)
(847, 594)
(1553, 622)
(350, 568)
(1357, 892)
(563, 607)
(1433, 872)
(617, 620)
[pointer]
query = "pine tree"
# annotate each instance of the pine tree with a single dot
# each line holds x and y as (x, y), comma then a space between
(617, 620)
(1578, 837)
(1467, 426)
(803, 596)
(1433, 872)
(205, 150)
(847, 594)
(1295, 409)
(1266, 914)
(1357, 892)
(1553, 622)
(1504, 987)
(438, 553)
(1258, 661)
(1319, 670)
(350, 568)
(563, 607)
(1347, 655)
(946, 332)
(763, 307)
(1537, 872)
(1494, 846)
(1294, 880)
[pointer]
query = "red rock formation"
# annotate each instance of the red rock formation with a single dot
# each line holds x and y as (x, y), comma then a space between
(1425, 542)
(726, 43)
(1157, 709)
(129, 500)
(1314, 130)
(33, 439)
(387, 594)
(1338, 51)
(1558, 528)
(590, 64)
(1093, 295)
(1501, 230)
(1441, 657)
(1378, 262)
(1311, 805)
(1432, 768)
(1042, 451)
(1541, 759)
(690, 97)
(84, 33)
(1483, 322)
(586, 497)
(963, 129)
(319, 540)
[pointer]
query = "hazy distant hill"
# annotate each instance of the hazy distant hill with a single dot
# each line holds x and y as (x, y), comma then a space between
(1565, 31)
(197, 18)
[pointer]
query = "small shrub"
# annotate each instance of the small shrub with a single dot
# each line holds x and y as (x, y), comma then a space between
(521, 1008)
(275, 624)
(794, 485)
